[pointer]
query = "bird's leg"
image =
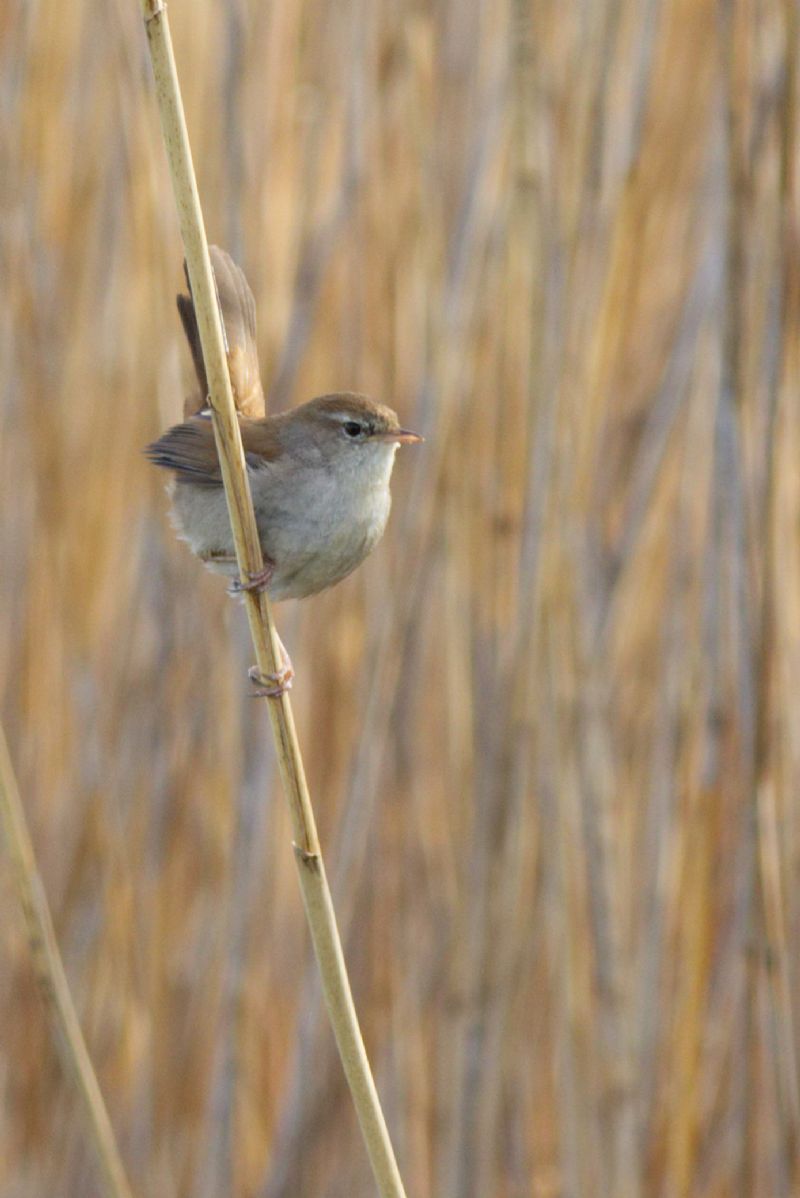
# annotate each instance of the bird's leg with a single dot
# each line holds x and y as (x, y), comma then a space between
(256, 582)
(272, 686)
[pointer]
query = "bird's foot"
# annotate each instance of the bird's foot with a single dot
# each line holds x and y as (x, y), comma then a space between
(256, 583)
(271, 686)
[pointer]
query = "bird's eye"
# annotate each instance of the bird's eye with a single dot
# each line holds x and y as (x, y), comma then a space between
(352, 428)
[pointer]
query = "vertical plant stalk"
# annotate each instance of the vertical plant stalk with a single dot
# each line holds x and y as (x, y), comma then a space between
(311, 870)
(51, 978)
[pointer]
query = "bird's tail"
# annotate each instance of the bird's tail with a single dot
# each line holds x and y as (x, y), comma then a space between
(238, 310)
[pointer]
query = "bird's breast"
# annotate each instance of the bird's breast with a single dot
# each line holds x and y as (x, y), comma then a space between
(317, 525)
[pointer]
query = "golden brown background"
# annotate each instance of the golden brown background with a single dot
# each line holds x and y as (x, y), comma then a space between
(552, 726)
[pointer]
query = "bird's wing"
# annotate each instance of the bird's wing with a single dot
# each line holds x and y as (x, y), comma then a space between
(238, 310)
(190, 451)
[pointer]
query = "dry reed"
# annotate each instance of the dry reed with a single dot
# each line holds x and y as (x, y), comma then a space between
(308, 855)
(565, 845)
(51, 978)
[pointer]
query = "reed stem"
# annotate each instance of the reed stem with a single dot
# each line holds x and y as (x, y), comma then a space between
(310, 866)
(52, 979)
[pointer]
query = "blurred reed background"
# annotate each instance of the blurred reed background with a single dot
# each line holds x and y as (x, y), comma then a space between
(552, 725)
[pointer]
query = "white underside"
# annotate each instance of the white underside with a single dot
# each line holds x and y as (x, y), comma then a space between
(316, 522)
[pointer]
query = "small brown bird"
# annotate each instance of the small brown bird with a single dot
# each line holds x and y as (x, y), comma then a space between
(319, 473)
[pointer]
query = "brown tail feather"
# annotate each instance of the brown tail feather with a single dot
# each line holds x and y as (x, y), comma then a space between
(193, 403)
(239, 320)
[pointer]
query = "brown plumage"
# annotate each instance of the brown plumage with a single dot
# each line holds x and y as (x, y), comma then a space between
(238, 309)
(190, 451)
(319, 473)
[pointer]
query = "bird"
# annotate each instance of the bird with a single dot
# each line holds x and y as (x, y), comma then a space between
(319, 473)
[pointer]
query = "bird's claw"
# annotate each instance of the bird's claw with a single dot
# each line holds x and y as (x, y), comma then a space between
(256, 583)
(271, 686)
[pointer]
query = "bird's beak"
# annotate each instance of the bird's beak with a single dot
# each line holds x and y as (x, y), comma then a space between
(403, 435)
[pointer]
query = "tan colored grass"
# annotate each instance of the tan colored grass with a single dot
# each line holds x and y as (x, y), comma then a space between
(48, 969)
(558, 651)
